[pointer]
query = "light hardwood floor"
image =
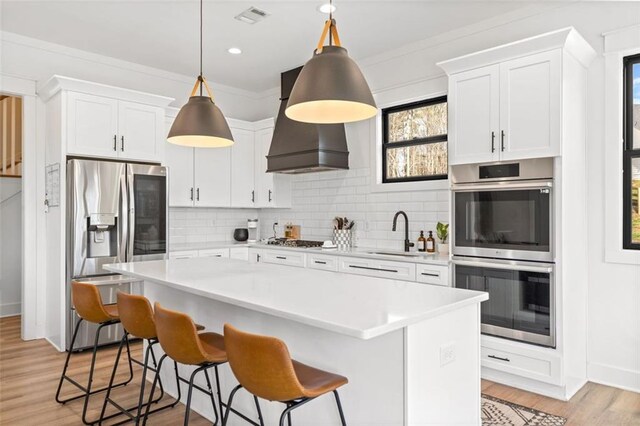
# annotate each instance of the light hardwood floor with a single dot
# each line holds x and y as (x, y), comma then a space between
(29, 374)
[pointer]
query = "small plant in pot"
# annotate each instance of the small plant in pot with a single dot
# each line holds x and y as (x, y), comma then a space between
(442, 231)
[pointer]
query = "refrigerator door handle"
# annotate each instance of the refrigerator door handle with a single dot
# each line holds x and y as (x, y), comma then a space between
(123, 226)
(132, 212)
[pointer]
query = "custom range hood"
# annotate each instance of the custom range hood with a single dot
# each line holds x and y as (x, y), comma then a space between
(299, 147)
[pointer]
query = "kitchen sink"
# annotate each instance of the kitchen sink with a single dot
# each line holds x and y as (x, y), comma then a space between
(393, 253)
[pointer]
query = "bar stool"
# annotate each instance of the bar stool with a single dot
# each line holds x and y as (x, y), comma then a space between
(264, 367)
(88, 304)
(181, 342)
(136, 316)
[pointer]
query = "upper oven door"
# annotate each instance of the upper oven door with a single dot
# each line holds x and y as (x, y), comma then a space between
(509, 220)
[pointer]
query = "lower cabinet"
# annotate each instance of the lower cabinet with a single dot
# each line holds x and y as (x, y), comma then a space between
(183, 254)
(432, 274)
(324, 262)
(214, 253)
(378, 268)
(289, 258)
(239, 253)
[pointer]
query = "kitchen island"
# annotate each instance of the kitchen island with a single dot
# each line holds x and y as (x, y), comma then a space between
(411, 351)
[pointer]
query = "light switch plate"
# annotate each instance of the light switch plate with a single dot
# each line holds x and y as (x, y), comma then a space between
(447, 353)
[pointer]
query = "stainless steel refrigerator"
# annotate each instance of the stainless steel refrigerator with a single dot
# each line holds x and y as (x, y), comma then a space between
(116, 212)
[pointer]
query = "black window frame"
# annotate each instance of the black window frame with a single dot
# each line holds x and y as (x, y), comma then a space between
(420, 141)
(629, 153)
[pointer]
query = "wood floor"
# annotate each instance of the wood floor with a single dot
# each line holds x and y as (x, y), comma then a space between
(29, 374)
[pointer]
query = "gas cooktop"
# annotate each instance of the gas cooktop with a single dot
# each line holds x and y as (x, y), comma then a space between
(294, 243)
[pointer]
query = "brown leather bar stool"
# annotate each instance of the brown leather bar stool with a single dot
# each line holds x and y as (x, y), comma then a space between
(89, 307)
(181, 342)
(136, 316)
(264, 367)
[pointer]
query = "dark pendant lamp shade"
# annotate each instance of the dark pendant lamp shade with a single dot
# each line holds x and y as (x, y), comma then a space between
(200, 124)
(331, 88)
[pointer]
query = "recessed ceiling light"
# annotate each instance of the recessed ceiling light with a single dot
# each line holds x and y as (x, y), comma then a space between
(234, 50)
(326, 8)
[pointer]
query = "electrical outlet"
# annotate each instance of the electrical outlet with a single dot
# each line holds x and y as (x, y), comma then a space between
(447, 353)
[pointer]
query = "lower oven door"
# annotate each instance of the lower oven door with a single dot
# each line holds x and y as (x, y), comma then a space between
(521, 303)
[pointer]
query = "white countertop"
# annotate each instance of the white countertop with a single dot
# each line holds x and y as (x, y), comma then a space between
(362, 252)
(354, 305)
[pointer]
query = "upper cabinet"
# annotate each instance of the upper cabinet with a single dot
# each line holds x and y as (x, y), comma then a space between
(507, 103)
(227, 177)
(107, 122)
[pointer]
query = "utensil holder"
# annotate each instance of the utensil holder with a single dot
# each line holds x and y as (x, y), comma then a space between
(342, 238)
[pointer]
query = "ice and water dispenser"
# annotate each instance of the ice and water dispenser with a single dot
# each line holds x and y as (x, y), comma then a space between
(102, 240)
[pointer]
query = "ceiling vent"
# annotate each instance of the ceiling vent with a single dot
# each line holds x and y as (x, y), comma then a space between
(251, 15)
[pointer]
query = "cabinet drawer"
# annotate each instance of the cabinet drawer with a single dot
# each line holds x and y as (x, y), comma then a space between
(184, 254)
(240, 253)
(324, 262)
(378, 268)
(283, 258)
(537, 366)
(432, 274)
(214, 253)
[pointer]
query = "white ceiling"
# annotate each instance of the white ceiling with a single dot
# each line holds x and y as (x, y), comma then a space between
(164, 34)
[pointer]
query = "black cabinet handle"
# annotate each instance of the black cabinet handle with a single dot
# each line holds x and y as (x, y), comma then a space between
(253, 196)
(493, 142)
(429, 275)
(257, 258)
(281, 257)
(198, 194)
(191, 194)
(115, 142)
(319, 262)
(121, 143)
(502, 140)
(373, 269)
(499, 358)
(269, 195)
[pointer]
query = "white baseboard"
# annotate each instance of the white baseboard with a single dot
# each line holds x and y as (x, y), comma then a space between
(614, 376)
(10, 309)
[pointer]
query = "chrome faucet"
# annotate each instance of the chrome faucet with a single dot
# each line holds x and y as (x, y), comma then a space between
(407, 244)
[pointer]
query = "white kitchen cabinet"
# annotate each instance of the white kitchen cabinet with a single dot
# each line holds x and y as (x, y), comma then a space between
(432, 274)
(474, 116)
(378, 268)
(179, 160)
(289, 258)
(140, 132)
(272, 189)
(92, 125)
(108, 128)
(223, 252)
(212, 177)
(323, 262)
(240, 253)
(242, 168)
(530, 97)
(510, 110)
(183, 254)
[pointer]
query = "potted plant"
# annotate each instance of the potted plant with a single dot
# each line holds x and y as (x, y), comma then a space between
(442, 231)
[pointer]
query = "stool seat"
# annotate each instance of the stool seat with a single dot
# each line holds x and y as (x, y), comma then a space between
(213, 345)
(112, 310)
(316, 382)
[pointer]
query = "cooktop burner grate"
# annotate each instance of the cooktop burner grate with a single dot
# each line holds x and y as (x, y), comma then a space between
(295, 243)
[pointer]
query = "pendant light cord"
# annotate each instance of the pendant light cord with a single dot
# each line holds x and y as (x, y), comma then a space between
(200, 78)
(331, 19)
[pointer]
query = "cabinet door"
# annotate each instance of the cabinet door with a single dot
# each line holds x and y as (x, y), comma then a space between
(242, 168)
(272, 189)
(474, 102)
(140, 132)
(214, 253)
(212, 177)
(179, 160)
(92, 125)
(530, 100)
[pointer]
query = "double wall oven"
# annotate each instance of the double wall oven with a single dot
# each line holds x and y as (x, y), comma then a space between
(502, 243)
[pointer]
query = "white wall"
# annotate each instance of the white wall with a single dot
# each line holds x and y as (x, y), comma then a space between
(613, 350)
(10, 246)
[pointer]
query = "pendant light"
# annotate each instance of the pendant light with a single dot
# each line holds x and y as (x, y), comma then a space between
(330, 88)
(200, 123)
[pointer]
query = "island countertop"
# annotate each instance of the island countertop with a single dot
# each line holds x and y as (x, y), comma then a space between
(353, 305)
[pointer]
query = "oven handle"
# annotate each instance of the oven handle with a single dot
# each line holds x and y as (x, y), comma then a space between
(507, 266)
(545, 184)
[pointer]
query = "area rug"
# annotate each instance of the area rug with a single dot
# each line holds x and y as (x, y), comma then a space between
(497, 412)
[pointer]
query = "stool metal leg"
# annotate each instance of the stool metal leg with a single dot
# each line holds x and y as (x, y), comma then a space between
(226, 414)
(213, 400)
(255, 398)
(66, 365)
(342, 420)
(189, 394)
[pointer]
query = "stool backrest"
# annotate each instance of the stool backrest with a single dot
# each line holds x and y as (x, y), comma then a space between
(88, 303)
(262, 365)
(136, 315)
(178, 336)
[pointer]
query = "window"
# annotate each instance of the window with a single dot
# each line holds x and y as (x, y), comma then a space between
(414, 141)
(631, 156)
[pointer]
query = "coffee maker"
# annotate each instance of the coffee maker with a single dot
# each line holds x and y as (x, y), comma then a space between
(254, 234)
